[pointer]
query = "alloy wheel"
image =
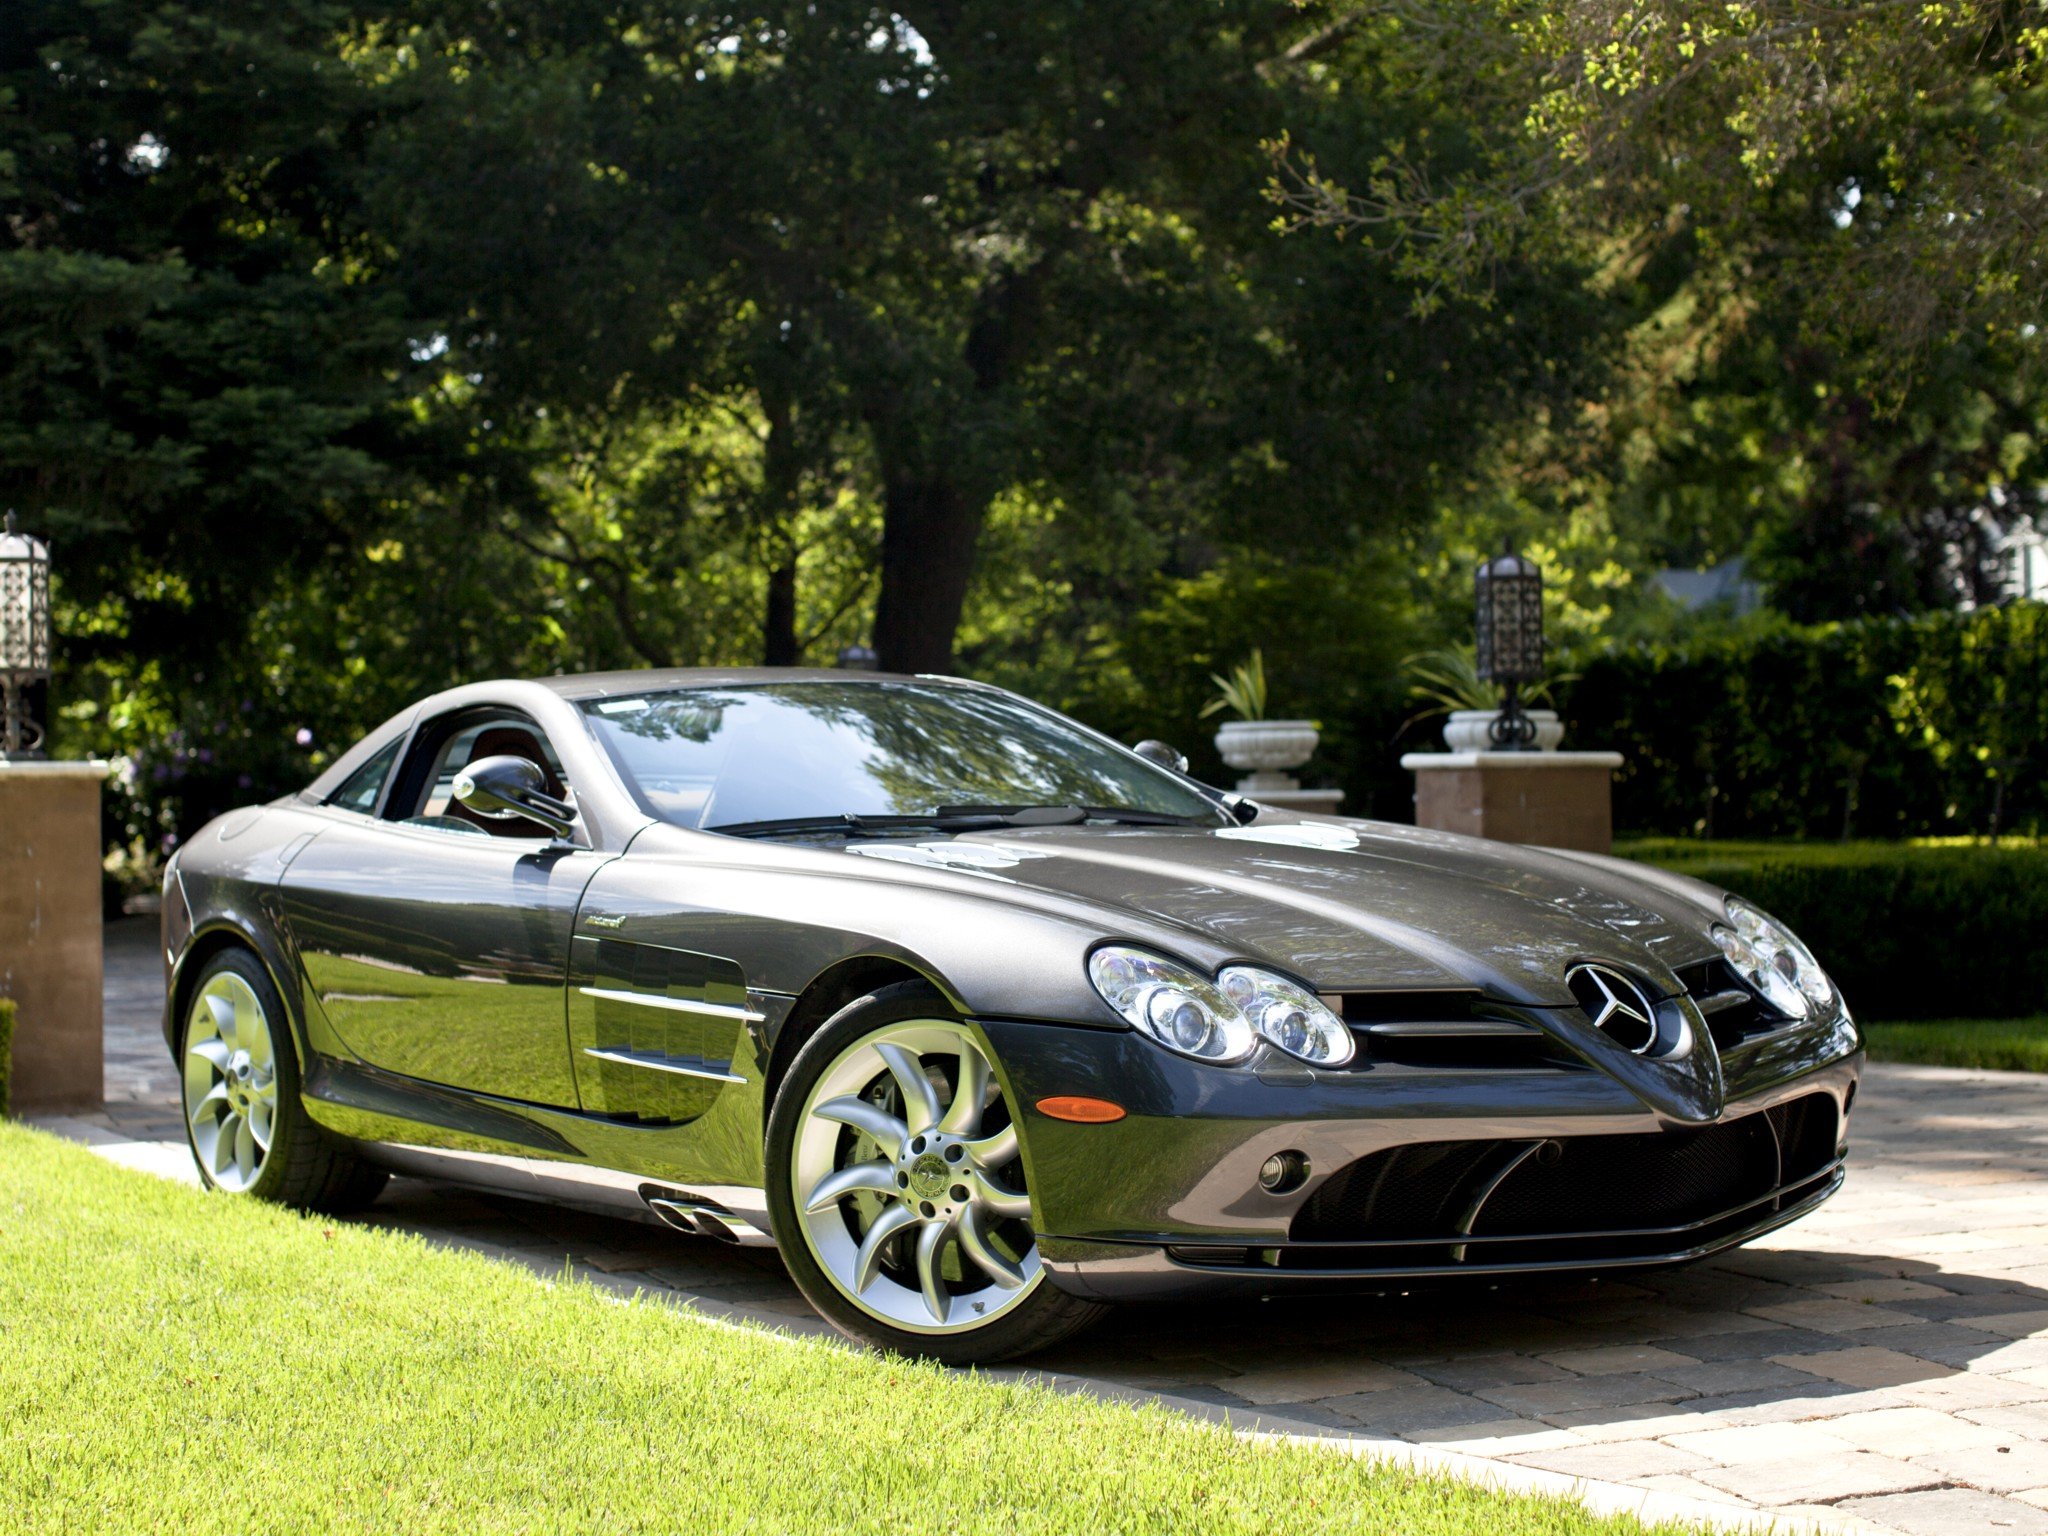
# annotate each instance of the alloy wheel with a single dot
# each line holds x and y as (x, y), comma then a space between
(230, 1082)
(908, 1184)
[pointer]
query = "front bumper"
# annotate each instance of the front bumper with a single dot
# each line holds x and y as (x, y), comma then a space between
(1414, 1171)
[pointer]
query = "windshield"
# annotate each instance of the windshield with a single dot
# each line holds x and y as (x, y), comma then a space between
(718, 757)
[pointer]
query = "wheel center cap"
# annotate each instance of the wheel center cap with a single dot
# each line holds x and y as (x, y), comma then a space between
(928, 1176)
(240, 1068)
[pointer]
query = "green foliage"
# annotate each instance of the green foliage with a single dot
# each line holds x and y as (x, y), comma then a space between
(1243, 692)
(1885, 727)
(1993, 1045)
(6, 1052)
(1447, 679)
(444, 1393)
(1804, 144)
(1908, 932)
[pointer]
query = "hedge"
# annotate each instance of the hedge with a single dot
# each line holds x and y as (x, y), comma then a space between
(1929, 726)
(6, 1051)
(1909, 931)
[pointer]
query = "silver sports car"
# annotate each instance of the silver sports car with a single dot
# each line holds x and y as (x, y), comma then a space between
(985, 1020)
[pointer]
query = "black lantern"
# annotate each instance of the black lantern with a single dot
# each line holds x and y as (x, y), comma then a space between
(858, 658)
(24, 637)
(1510, 588)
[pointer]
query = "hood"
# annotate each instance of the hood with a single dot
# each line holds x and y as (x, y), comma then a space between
(1353, 905)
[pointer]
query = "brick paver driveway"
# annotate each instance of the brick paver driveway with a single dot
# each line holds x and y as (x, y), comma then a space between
(1882, 1363)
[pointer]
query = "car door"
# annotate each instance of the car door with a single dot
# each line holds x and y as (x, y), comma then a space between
(437, 943)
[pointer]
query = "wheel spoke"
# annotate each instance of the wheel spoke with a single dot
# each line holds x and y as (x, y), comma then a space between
(975, 1244)
(929, 1244)
(218, 1095)
(223, 1013)
(920, 1099)
(213, 1052)
(224, 1143)
(1004, 1202)
(871, 1118)
(260, 1121)
(876, 1176)
(963, 1115)
(245, 1151)
(869, 1259)
(994, 1151)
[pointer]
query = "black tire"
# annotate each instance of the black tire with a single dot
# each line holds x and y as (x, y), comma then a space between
(1041, 1320)
(305, 1167)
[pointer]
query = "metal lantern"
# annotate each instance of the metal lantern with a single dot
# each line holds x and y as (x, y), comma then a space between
(858, 658)
(1510, 589)
(24, 636)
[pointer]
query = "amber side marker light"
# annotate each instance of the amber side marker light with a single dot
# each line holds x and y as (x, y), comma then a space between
(1081, 1111)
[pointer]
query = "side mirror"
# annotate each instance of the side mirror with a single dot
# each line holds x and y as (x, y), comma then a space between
(500, 788)
(1166, 757)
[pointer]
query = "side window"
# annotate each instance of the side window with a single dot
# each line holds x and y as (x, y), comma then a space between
(360, 789)
(474, 737)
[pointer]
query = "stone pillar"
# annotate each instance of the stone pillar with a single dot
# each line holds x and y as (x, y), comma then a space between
(50, 932)
(1556, 799)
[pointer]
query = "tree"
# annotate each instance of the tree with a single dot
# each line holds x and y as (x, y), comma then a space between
(1884, 166)
(968, 250)
(198, 396)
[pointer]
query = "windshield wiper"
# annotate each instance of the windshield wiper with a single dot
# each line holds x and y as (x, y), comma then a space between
(957, 818)
(1069, 815)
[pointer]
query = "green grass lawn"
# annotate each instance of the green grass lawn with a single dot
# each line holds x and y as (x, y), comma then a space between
(171, 1361)
(2005, 1045)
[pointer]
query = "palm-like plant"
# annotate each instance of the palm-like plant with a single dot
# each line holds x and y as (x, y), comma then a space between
(1448, 680)
(1242, 693)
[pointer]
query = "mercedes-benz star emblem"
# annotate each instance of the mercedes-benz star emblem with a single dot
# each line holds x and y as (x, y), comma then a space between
(1618, 1007)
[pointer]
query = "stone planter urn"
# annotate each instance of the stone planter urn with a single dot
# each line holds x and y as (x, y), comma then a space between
(1266, 746)
(1263, 750)
(1466, 730)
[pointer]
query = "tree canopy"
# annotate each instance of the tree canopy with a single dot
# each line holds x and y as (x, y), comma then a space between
(351, 349)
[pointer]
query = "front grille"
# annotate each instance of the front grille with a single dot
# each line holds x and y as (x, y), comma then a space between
(1571, 1187)
(1733, 1011)
(1451, 1028)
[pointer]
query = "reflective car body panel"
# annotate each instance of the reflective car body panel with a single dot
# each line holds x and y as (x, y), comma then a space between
(604, 1017)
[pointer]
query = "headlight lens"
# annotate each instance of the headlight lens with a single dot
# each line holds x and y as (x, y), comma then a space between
(1288, 1014)
(1770, 957)
(1221, 1020)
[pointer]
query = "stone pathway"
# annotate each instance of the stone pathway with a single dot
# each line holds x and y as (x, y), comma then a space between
(1881, 1365)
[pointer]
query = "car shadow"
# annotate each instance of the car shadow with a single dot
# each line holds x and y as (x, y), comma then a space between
(1755, 1335)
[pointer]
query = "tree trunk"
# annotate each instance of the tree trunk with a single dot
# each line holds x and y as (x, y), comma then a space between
(929, 528)
(779, 646)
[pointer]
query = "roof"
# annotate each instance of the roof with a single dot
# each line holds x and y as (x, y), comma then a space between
(597, 685)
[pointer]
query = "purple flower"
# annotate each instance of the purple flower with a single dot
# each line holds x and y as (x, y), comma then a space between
(304, 737)
(206, 754)
(243, 781)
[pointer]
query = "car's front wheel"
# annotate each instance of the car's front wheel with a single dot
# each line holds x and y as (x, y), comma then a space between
(896, 1187)
(248, 1132)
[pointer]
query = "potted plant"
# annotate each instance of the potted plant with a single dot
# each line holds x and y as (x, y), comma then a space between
(1448, 681)
(1249, 742)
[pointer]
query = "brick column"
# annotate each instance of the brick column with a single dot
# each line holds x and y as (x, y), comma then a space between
(1556, 799)
(50, 932)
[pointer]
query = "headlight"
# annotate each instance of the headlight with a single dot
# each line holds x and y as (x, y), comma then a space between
(1770, 957)
(1221, 1020)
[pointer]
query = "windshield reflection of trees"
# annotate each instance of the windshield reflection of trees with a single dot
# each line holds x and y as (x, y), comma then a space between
(928, 748)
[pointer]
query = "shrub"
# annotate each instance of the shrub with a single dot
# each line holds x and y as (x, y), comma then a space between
(1884, 727)
(6, 1050)
(1909, 931)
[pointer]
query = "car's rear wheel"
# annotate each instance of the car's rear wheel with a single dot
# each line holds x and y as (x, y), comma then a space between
(896, 1187)
(248, 1132)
